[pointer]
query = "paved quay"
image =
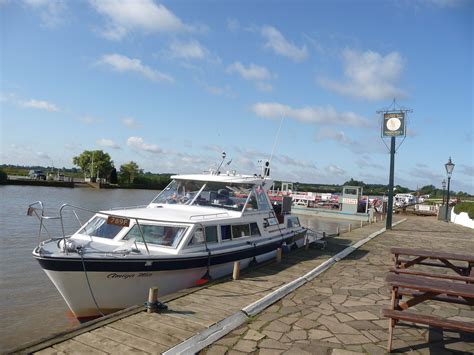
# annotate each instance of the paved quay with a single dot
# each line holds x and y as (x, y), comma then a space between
(339, 312)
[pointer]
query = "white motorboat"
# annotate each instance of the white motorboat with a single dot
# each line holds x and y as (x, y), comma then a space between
(194, 229)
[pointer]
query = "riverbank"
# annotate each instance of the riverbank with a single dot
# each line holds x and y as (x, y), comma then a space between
(340, 311)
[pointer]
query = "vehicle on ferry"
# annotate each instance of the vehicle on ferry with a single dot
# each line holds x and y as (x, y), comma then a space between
(194, 230)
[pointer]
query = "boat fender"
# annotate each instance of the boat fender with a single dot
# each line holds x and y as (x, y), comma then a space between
(285, 248)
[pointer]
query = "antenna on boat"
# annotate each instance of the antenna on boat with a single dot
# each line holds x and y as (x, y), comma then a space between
(266, 170)
(219, 167)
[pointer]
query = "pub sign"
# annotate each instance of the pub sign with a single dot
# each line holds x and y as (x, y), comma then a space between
(393, 124)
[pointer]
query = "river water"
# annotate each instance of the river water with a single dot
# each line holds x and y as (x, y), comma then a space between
(30, 305)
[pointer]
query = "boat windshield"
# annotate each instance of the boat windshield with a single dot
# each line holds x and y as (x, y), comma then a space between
(179, 192)
(98, 227)
(226, 195)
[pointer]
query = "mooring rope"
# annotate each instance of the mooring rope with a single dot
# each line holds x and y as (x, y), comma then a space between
(80, 252)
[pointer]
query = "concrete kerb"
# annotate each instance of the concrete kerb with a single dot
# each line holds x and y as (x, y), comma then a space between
(218, 330)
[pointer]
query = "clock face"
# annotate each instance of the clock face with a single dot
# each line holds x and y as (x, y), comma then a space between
(393, 124)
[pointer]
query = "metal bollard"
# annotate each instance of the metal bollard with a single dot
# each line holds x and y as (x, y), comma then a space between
(152, 299)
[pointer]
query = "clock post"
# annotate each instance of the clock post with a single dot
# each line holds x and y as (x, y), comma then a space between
(393, 125)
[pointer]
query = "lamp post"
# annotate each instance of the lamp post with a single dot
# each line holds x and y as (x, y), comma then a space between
(449, 170)
(443, 183)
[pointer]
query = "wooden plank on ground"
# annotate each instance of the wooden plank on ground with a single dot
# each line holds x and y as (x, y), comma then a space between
(149, 323)
(50, 351)
(178, 322)
(74, 347)
(145, 333)
(129, 339)
(219, 303)
(199, 313)
(209, 309)
(188, 316)
(241, 289)
(104, 344)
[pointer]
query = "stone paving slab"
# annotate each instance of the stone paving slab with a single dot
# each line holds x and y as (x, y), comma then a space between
(339, 312)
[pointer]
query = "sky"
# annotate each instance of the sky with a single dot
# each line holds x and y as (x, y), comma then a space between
(173, 84)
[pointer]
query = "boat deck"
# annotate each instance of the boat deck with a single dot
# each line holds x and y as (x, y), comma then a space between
(199, 315)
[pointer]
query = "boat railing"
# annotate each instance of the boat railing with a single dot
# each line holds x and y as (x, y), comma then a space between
(128, 207)
(33, 209)
(208, 215)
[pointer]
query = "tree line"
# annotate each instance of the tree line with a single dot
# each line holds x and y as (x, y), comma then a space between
(97, 164)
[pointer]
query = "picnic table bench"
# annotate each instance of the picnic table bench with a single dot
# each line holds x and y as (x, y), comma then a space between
(425, 257)
(423, 286)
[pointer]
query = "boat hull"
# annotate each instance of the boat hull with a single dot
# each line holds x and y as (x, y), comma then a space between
(120, 283)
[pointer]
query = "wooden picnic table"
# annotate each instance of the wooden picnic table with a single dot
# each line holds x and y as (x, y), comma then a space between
(421, 289)
(462, 264)
(420, 286)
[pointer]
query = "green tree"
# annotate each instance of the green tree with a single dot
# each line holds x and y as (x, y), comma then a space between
(353, 182)
(129, 171)
(94, 163)
(427, 190)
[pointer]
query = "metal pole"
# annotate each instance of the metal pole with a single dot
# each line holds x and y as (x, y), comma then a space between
(388, 224)
(447, 200)
(443, 195)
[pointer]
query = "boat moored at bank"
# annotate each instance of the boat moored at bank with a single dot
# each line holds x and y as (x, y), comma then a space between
(191, 232)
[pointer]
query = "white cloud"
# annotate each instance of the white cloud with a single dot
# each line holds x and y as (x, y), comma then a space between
(122, 64)
(327, 133)
(278, 43)
(467, 170)
(254, 73)
(130, 122)
(233, 25)
(40, 105)
(190, 50)
(225, 91)
(50, 11)
(368, 75)
(72, 146)
(43, 155)
(124, 16)
(108, 143)
(335, 170)
(89, 120)
(265, 87)
(286, 160)
(317, 114)
(139, 143)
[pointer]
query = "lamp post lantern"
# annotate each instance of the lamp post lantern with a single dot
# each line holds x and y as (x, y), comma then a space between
(443, 183)
(449, 170)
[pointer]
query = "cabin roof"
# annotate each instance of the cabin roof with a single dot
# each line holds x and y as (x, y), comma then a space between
(227, 178)
(175, 213)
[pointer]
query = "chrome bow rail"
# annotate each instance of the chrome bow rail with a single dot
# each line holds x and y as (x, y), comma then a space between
(37, 209)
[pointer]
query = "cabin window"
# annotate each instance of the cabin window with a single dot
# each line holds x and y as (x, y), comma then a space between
(98, 227)
(262, 198)
(168, 236)
(226, 233)
(198, 237)
(211, 234)
(293, 222)
(252, 204)
(240, 230)
(254, 230)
